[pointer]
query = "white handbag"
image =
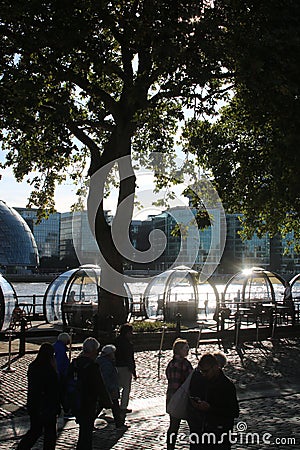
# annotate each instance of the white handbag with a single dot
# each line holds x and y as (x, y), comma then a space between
(177, 406)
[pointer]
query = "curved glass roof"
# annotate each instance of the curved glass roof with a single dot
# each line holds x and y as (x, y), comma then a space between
(295, 285)
(253, 285)
(8, 298)
(54, 296)
(178, 291)
(72, 298)
(17, 244)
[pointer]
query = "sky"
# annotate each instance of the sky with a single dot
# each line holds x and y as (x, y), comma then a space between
(16, 194)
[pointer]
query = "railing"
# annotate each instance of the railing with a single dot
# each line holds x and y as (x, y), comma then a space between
(32, 305)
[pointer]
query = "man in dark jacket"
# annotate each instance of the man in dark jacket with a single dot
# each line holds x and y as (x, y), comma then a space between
(125, 363)
(213, 406)
(93, 395)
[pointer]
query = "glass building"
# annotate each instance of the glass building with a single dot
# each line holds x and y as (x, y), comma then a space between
(46, 232)
(240, 253)
(77, 239)
(18, 249)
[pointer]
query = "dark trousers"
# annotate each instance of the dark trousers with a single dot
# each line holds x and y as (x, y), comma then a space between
(118, 416)
(202, 440)
(172, 432)
(37, 427)
(85, 439)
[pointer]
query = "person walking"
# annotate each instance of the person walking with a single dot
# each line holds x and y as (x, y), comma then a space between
(91, 389)
(212, 407)
(43, 401)
(177, 371)
(125, 364)
(107, 364)
(62, 364)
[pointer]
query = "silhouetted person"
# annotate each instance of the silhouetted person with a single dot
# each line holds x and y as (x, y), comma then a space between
(212, 407)
(107, 364)
(177, 371)
(42, 399)
(71, 297)
(62, 363)
(93, 394)
(125, 364)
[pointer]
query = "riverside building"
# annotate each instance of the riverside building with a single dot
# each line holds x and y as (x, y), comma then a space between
(67, 237)
(18, 249)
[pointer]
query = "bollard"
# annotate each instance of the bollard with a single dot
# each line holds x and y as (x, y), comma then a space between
(178, 324)
(33, 306)
(201, 326)
(160, 355)
(22, 336)
(70, 344)
(8, 368)
(237, 328)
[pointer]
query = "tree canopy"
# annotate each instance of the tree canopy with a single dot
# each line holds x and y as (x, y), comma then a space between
(97, 80)
(252, 149)
(102, 72)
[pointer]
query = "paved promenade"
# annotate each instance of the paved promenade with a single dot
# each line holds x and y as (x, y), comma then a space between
(267, 381)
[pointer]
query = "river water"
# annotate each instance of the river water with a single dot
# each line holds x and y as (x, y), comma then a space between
(25, 292)
(39, 289)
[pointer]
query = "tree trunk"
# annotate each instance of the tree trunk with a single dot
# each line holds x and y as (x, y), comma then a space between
(113, 299)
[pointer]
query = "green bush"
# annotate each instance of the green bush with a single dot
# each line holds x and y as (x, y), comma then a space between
(140, 326)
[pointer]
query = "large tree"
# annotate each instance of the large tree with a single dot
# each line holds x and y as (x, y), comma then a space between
(100, 79)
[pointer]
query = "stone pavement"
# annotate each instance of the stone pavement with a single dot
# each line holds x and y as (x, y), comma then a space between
(268, 386)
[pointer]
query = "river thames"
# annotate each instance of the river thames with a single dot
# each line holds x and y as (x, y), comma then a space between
(25, 292)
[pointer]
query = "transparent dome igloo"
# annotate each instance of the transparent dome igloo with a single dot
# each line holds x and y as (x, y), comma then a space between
(72, 298)
(8, 300)
(295, 285)
(177, 291)
(255, 285)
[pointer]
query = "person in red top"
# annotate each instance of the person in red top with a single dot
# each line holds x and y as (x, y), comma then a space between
(177, 371)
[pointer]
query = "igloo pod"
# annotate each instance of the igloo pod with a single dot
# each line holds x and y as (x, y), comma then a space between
(254, 285)
(178, 291)
(72, 298)
(8, 300)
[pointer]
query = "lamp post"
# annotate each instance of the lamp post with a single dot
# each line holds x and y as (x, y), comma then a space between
(8, 368)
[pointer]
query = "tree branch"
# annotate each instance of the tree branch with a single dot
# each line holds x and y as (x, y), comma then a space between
(81, 82)
(86, 140)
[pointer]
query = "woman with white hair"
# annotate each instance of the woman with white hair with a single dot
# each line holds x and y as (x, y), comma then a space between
(107, 364)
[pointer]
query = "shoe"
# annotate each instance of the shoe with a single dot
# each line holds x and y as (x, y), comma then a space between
(126, 411)
(69, 417)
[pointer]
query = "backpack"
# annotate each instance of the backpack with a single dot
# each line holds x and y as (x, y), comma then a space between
(74, 388)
